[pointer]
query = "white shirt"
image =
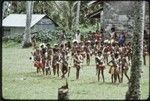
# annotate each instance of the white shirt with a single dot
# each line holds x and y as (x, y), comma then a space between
(112, 34)
(101, 58)
(117, 61)
(78, 37)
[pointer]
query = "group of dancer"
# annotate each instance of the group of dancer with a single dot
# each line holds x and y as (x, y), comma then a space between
(114, 53)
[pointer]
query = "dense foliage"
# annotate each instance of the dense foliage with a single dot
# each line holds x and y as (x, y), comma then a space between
(62, 12)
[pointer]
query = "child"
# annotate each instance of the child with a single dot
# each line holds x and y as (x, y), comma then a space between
(56, 60)
(37, 59)
(88, 53)
(64, 68)
(100, 66)
(47, 66)
(77, 63)
(105, 53)
(124, 68)
(43, 57)
(114, 69)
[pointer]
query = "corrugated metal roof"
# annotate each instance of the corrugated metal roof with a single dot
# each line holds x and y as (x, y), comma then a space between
(19, 20)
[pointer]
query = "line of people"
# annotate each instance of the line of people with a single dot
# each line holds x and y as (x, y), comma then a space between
(66, 55)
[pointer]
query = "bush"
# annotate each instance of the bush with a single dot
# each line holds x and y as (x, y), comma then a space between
(52, 37)
(10, 44)
(46, 37)
(15, 38)
(5, 39)
(18, 38)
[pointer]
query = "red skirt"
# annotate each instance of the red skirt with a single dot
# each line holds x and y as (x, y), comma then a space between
(114, 70)
(38, 64)
(43, 63)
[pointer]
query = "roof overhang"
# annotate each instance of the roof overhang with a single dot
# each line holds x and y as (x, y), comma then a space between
(95, 14)
(53, 21)
(19, 20)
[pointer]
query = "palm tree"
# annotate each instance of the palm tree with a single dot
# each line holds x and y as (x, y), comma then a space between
(4, 9)
(27, 34)
(134, 92)
(78, 14)
(18, 6)
(62, 12)
(66, 13)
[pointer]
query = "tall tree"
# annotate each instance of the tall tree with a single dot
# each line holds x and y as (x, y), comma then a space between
(27, 34)
(134, 91)
(4, 9)
(101, 18)
(78, 14)
(18, 7)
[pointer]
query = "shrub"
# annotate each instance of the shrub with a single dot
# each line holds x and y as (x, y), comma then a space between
(16, 38)
(10, 44)
(45, 37)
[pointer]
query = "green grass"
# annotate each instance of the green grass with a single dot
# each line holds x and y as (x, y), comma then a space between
(11, 44)
(16, 65)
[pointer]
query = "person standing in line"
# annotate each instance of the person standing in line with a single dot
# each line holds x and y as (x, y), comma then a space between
(77, 62)
(100, 65)
(113, 35)
(78, 36)
(33, 40)
(122, 39)
(62, 37)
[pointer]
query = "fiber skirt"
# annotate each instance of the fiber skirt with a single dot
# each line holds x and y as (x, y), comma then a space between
(38, 64)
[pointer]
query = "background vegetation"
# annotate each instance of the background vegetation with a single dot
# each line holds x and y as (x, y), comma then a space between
(62, 12)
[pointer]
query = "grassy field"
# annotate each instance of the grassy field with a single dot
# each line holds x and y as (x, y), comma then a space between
(20, 80)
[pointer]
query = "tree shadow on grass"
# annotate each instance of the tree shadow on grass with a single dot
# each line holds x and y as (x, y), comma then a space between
(73, 80)
(36, 75)
(123, 84)
(27, 74)
(109, 83)
(103, 83)
(93, 82)
(41, 76)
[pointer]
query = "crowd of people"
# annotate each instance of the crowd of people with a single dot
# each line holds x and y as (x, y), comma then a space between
(114, 52)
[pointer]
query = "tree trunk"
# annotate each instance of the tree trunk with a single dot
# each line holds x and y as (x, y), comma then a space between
(78, 14)
(27, 34)
(134, 92)
(63, 92)
(101, 21)
(4, 9)
(70, 17)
